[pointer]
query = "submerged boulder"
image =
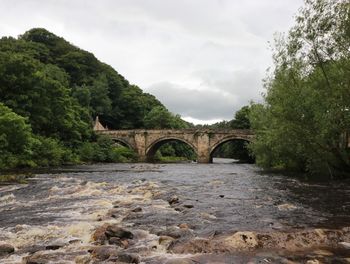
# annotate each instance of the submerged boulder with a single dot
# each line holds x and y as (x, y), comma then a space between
(242, 240)
(111, 233)
(165, 240)
(116, 231)
(173, 200)
(179, 261)
(175, 232)
(103, 252)
(345, 245)
(128, 258)
(100, 234)
(6, 249)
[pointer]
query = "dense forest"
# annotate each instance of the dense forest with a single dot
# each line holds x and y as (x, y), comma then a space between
(304, 123)
(50, 93)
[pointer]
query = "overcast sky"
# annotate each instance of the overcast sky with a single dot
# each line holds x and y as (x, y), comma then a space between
(203, 59)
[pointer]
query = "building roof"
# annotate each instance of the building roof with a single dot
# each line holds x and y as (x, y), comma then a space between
(98, 126)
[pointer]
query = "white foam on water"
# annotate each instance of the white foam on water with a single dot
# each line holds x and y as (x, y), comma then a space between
(14, 259)
(80, 230)
(82, 217)
(286, 207)
(7, 199)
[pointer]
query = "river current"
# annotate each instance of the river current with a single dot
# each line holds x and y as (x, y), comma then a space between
(174, 213)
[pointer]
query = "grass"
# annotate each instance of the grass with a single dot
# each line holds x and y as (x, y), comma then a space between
(13, 178)
(172, 159)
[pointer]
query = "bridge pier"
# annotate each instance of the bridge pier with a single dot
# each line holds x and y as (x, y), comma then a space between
(140, 146)
(203, 151)
(204, 159)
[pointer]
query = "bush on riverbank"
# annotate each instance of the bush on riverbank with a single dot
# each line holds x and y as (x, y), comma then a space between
(14, 178)
(161, 158)
(19, 147)
(103, 150)
(304, 123)
(15, 139)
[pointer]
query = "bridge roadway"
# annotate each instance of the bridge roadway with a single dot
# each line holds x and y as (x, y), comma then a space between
(145, 142)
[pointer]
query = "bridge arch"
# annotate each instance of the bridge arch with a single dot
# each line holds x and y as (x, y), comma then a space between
(155, 145)
(224, 140)
(124, 143)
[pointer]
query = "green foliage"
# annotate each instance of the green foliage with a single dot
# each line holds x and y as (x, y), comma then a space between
(167, 150)
(133, 106)
(103, 151)
(15, 138)
(159, 118)
(122, 154)
(306, 109)
(241, 120)
(57, 89)
(169, 159)
(119, 104)
(40, 92)
(48, 152)
(54, 90)
(100, 102)
(15, 134)
(14, 178)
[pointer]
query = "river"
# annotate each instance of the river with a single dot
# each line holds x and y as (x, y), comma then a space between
(174, 213)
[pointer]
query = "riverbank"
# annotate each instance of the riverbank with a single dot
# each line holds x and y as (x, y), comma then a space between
(6, 179)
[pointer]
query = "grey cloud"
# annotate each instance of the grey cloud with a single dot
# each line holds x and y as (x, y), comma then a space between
(245, 84)
(218, 95)
(211, 54)
(202, 104)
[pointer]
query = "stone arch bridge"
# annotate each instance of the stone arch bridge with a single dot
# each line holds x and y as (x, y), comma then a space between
(145, 142)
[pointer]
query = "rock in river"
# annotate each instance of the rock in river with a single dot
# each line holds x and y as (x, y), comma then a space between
(6, 249)
(175, 232)
(100, 234)
(103, 252)
(173, 200)
(118, 242)
(184, 226)
(128, 258)
(344, 245)
(116, 231)
(109, 231)
(137, 210)
(165, 240)
(179, 261)
(242, 240)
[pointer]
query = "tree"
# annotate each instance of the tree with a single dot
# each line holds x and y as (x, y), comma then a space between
(241, 119)
(15, 138)
(100, 102)
(159, 117)
(306, 109)
(41, 93)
